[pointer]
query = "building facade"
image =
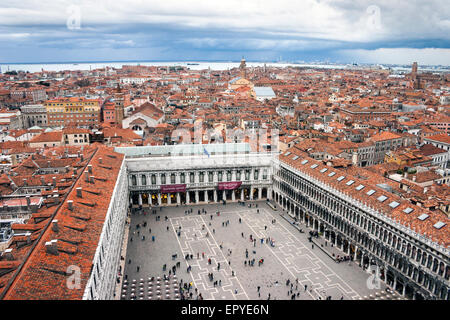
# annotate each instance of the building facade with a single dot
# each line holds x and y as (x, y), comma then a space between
(80, 111)
(34, 115)
(102, 281)
(408, 261)
(188, 174)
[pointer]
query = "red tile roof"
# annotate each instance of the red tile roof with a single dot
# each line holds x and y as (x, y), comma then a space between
(43, 275)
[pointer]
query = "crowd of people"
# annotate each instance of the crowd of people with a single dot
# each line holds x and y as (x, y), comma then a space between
(186, 290)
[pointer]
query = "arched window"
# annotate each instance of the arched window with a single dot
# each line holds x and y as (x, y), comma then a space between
(133, 180)
(144, 180)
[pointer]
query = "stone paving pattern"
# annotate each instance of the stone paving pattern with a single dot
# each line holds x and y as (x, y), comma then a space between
(290, 258)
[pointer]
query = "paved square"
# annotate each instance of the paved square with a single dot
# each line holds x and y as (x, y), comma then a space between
(224, 240)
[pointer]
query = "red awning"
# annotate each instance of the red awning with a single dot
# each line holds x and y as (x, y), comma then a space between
(229, 185)
(171, 188)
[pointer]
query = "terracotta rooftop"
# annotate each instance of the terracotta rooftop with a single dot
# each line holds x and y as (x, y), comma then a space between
(392, 206)
(42, 275)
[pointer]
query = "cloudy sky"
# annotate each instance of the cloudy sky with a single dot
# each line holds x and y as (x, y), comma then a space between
(376, 31)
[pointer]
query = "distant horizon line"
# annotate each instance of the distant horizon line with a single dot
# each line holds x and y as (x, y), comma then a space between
(172, 60)
(222, 60)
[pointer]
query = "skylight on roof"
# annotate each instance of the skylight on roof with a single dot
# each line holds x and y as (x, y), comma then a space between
(370, 192)
(422, 217)
(304, 161)
(439, 225)
(408, 210)
(340, 178)
(360, 187)
(381, 198)
(331, 174)
(350, 182)
(287, 153)
(314, 166)
(323, 170)
(394, 204)
(295, 158)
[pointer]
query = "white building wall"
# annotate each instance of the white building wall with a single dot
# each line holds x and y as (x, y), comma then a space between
(107, 256)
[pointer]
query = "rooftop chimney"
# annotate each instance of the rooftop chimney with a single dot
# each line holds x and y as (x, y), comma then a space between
(54, 182)
(25, 182)
(8, 254)
(100, 160)
(86, 176)
(28, 201)
(75, 171)
(70, 204)
(52, 247)
(79, 193)
(28, 235)
(89, 168)
(42, 181)
(55, 226)
(92, 179)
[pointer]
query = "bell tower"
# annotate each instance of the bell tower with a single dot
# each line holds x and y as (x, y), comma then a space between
(243, 68)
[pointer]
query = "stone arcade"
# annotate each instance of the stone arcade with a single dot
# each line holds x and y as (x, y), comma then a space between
(343, 209)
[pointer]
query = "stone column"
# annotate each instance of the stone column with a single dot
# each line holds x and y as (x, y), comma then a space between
(150, 200)
(251, 192)
(356, 251)
(224, 195)
(188, 200)
(215, 195)
(178, 198)
(259, 193)
(233, 196)
(404, 289)
(196, 177)
(215, 177)
(242, 194)
(196, 196)
(169, 200)
(158, 178)
(206, 196)
(159, 199)
(395, 282)
(140, 199)
(233, 175)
